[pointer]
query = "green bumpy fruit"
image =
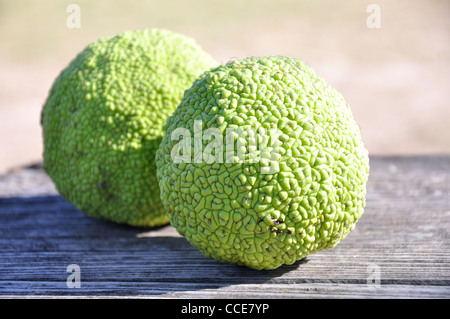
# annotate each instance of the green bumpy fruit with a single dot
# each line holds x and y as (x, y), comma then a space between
(103, 121)
(268, 205)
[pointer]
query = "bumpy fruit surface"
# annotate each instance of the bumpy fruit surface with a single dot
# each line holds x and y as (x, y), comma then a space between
(103, 121)
(268, 205)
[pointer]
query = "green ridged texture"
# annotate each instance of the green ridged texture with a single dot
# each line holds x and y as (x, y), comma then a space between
(103, 121)
(234, 213)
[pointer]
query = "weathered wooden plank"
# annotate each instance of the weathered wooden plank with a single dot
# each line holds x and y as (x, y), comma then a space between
(204, 290)
(402, 240)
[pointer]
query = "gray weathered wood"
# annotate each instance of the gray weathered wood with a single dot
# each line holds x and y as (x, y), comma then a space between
(402, 239)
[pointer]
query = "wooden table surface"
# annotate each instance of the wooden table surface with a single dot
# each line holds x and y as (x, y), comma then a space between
(399, 248)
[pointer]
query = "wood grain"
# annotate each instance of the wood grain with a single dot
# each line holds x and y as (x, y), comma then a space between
(399, 248)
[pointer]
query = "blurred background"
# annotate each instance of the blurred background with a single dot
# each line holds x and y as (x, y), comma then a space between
(390, 59)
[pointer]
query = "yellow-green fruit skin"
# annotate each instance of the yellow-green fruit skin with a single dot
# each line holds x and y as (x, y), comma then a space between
(234, 209)
(103, 121)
